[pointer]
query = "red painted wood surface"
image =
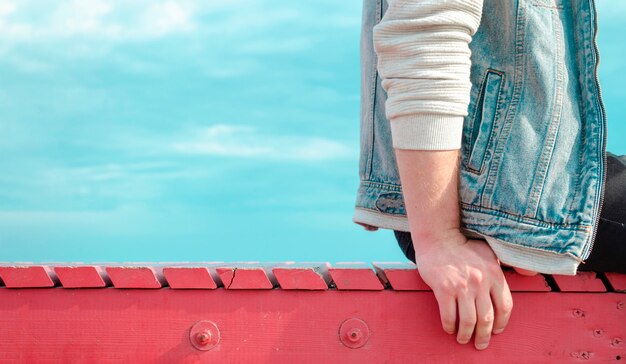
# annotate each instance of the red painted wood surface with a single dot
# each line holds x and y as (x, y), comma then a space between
(581, 282)
(355, 276)
(308, 276)
(87, 276)
(374, 315)
(618, 281)
(27, 276)
(246, 276)
(400, 276)
(189, 278)
(295, 326)
(134, 277)
(520, 283)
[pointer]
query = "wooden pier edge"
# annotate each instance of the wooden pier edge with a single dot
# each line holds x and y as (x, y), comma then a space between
(251, 312)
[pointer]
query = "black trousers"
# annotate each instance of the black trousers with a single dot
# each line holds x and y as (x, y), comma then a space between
(609, 250)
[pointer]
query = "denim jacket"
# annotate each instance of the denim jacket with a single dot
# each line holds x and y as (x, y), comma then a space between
(533, 151)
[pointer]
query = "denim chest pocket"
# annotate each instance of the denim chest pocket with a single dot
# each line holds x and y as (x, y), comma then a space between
(479, 133)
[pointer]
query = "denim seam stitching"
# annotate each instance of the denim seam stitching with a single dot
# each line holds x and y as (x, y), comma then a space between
(493, 122)
(387, 186)
(518, 84)
(518, 218)
(577, 186)
(541, 172)
(526, 246)
(373, 89)
(468, 137)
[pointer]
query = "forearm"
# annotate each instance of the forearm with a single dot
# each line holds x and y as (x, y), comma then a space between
(424, 63)
(430, 189)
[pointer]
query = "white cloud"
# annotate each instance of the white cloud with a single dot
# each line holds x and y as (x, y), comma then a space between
(106, 19)
(6, 8)
(247, 141)
(83, 17)
(168, 17)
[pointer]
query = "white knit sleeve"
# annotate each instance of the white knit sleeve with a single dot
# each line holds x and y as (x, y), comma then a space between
(424, 64)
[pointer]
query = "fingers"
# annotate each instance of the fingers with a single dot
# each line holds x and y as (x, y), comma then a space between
(503, 305)
(484, 321)
(447, 311)
(467, 319)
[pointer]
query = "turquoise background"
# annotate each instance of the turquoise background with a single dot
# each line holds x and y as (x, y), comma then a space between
(196, 131)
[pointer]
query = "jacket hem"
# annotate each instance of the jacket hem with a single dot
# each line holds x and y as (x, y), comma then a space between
(529, 258)
(380, 220)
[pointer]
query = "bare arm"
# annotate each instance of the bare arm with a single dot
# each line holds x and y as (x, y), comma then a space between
(464, 274)
(424, 62)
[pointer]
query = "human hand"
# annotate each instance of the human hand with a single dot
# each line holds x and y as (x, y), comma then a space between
(466, 277)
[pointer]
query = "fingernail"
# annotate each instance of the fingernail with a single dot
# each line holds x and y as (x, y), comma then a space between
(482, 346)
(462, 341)
(498, 331)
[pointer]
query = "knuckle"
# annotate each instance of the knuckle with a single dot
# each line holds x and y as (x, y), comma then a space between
(467, 324)
(453, 289)
(476, 278)
(507, 307)
(485, 320)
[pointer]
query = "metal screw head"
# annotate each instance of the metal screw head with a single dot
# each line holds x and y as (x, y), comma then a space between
(354, 333)
(620, 305)
(616, 341)
(585, 355)
(204, 335)
(203, 338)
(598, 332)
(578, 313)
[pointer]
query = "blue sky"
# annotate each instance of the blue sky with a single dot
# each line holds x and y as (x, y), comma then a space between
(195, 131)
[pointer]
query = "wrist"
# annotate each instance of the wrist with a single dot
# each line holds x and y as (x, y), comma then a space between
(428, 241)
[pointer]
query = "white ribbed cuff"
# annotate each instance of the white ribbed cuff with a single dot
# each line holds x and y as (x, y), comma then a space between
(427, 132)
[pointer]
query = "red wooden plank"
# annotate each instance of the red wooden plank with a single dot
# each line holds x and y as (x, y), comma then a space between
(134, 277)
(520, 283)
(354, 276)
(246, 275)
(110, 325)
(581, 282)
(189, 277)
(405, 277)
(86, 276)
(308, 276)
(400, 276)
(28, 276)
(617, 280)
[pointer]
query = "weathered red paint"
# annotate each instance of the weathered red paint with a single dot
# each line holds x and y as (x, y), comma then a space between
(303, 276)
(582, 282)
(28, 276)
(355, 276)
(189, 278)
(134, 277)
(293, 325)
(618, 281)
(87, 276)
(400, 276)
(520, 283)
(244, 278)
